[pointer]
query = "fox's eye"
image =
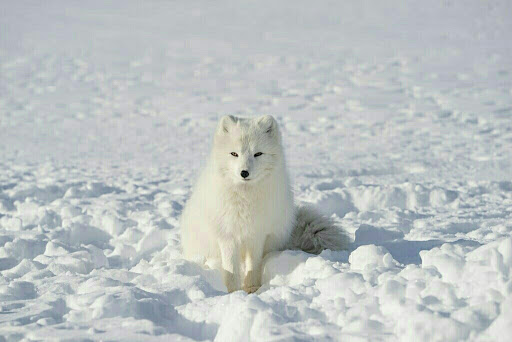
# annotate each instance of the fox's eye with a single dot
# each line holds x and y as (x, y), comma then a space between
(234, 154)
(258, 154)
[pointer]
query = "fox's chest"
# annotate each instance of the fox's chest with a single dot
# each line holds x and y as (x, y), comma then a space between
(243, 214)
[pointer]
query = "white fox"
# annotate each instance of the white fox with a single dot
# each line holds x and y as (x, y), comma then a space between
(242, 206)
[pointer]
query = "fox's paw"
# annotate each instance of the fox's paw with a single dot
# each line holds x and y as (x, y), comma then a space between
(230, 280)
(251, 289)
(232, 289)
(252, 282)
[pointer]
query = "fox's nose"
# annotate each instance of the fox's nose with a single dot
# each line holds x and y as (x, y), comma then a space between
(244, 173)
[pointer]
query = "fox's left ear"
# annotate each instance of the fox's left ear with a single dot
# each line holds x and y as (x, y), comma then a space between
(225, 123)
(268, 124)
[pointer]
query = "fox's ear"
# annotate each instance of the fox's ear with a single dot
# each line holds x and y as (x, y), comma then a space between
(268, 124)
(225, 123)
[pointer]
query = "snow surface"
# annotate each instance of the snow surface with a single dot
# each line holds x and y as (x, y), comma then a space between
(397, 120)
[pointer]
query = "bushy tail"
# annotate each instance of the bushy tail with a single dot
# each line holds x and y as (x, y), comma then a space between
(315, 232)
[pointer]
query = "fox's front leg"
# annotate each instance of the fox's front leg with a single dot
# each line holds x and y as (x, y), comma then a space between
(230, 264)
(253, 257)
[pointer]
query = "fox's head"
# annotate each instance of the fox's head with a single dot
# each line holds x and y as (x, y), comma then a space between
(247, 150)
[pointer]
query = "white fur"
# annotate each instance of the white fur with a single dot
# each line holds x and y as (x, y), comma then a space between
(228, 219)
(231, 223)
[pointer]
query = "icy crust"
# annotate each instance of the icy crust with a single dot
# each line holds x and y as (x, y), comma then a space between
(109, 262)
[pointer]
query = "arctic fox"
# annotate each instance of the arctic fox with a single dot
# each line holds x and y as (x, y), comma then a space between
(242, 206)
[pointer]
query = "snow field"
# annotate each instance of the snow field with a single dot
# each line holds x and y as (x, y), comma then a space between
(77, 259)
(396, 119)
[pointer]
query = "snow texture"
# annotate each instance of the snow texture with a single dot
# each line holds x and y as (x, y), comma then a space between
(397, 123)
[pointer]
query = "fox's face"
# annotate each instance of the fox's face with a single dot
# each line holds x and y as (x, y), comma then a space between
(247, 150)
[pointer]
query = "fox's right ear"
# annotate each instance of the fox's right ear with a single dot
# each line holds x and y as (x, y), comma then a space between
(225, 123)
(268, 124)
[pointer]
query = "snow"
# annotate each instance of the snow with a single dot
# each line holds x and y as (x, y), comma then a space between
(397, 121)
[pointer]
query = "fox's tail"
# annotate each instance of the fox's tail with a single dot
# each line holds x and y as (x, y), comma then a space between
(314, 232)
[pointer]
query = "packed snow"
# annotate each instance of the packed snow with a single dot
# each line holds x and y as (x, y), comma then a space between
(397, 121)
